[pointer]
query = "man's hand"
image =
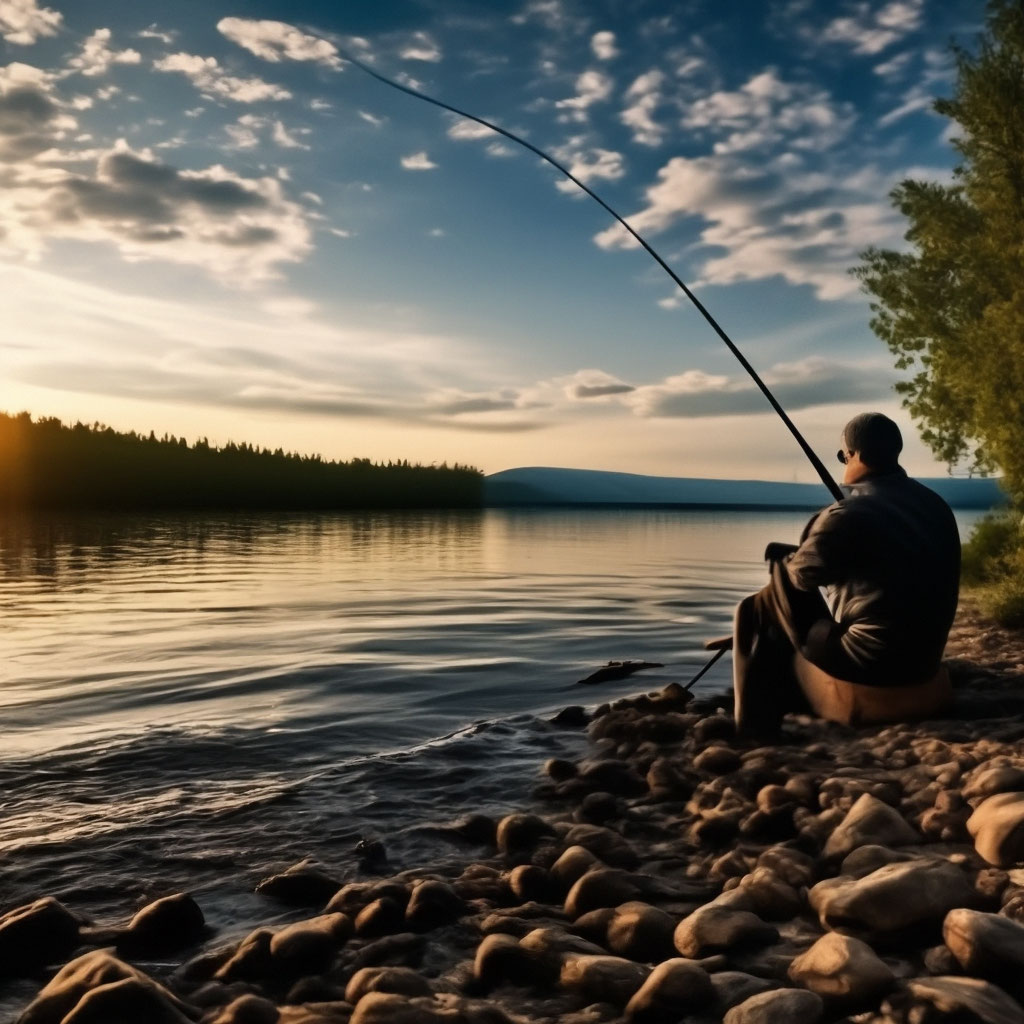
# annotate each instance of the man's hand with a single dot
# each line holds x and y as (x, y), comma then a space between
(777, 551)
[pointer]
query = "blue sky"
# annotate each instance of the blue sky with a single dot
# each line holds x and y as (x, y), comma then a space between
(211, 224)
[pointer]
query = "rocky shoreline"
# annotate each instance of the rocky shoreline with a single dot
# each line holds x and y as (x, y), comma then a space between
(674, 874)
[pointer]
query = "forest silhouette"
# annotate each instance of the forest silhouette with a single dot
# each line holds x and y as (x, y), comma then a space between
(45, 463)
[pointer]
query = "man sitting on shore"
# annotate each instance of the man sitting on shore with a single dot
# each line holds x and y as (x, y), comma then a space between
(888, 558)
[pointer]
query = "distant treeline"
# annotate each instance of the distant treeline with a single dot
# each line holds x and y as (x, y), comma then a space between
(47, 464)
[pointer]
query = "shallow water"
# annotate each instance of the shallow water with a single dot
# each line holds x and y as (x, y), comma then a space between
(194, 702)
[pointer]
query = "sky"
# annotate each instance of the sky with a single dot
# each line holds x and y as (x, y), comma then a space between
(213, 225)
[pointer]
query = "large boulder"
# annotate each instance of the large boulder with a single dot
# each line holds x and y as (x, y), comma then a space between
(870, 821)
(672, 990)
(842, 969)
(100, 988)
(603, 979)
(306, 884)
(641, 932)
(894, 900)
(432, 904)
(781, 1006)
(987, 945)
(997, 827)
(716, 929)
(164, 926)
(35, 935)
(602, 887)
(309, 947)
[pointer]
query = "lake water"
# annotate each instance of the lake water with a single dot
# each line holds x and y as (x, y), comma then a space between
(195, 702)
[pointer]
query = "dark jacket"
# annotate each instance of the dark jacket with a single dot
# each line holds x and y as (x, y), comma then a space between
(889, 556)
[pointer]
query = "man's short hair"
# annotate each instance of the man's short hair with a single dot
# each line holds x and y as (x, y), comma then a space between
(875, 438)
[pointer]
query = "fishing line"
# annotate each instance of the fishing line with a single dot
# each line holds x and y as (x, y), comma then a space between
(819, 466)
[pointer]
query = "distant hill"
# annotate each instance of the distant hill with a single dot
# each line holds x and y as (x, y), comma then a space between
(539, 485)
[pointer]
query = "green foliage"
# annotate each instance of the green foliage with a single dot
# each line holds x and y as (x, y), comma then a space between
(993, 566)
(45, 464)
(951, 309)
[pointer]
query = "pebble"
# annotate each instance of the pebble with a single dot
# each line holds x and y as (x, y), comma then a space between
(997, 827)
(842, 969)
(781, 1006)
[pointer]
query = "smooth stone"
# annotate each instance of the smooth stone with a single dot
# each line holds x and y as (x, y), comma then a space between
(353, 897)
(987, 945)
(73, 984)
(717, 761)
(773, 899)
(1005, 779)
(530, 882)
(405, 949)
(249, 1009)
(894, 899)
(35, 935)
(401, 981)
(518, 833)
(735, 987)
(792, 866)
(546, 942)
(714, 929)
(997, 827)
(499, 959)
(602, 887)
(672, 990)
(964, 1000)
(432, 904)
(843, 969)
(870, 821)
(606, 979)
(251, 960)
(163, 926)
(641, 932)
(305, 884)
(309, 947)
(381, 917)
(780, 1006)
(388, 1008)
(572, 865)
(604, 843)
(870, 858)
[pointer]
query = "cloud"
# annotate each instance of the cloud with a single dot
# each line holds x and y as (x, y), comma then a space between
(799, 385)
(466, 128)
(603, 45)
(154, 31)
(418, 162)
(96, 56)
(422, 47)
(31, 117)
(870, 29)
(586, 385)
(239, 229)
(591, 87)
(23, 21)
(588, 164)
(213, 81)
(645, 92)
(275, 41)
(247, 131)
(553, 15)
(373, 119)
(285, 139)
(769, 220)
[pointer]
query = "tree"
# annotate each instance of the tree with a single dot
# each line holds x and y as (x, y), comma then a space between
(951, 309)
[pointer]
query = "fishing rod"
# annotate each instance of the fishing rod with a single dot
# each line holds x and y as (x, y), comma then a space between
(819, 466)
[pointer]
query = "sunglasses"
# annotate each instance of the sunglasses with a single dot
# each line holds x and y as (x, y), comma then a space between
(841, 456)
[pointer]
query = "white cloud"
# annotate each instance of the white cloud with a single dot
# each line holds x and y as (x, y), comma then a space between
(499, 149)
(285, 139)
(603, 45)
(466, 128)
(436, 232)
(769, 220)
(645, 93)
(554, 15)
(213, 81)
(96, 57)
(23, 21)
(418, 162)
(248, 130)
(588, 164)
(871, 29)
(154, 31)
(594, 385)
(240, 229)
(372, 118)
(422, 47)
(319, 104)
(276, 41)
(591, 87)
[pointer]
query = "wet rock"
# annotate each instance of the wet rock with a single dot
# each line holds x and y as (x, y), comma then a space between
(599, 808)
(714, 727)
(672, 990)
(641, 932)
(781, 1006)
(520, 833)
(897, 898)
(397, 980)
(717, 761)
(381, 917)
(432, 904)
(997, 827)
(986, 945)
(305, 884)
(990, 781)
(602, 887)
(666, 780)
(606, 979)
(530, 882)
(842, 969)
(960, 1000)
(405, 949)
(940, 960)
(772, 898)
(572, 717)
(476, 828)
(870, 820)
(613, 776)
(482, 882)
(163, 926)
(548, 942)
(32, 936)
(734, 987)
(387, 1008)
(98, 987)
(605, 844)
(870, 858)
(559, 769)
(249, 1009)
(573, 864)
(352, 898)
(251, 961)
(309, 947)
(500, 959)
(792, 866)
(715, 928)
